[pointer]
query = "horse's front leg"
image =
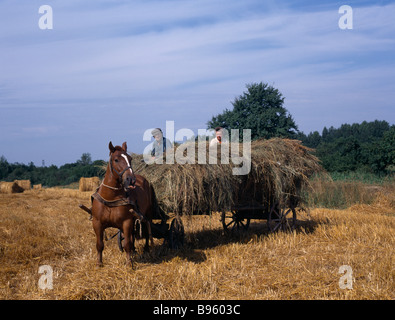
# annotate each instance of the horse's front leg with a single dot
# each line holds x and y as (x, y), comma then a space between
(133, 240)
(148, 236)
(97, 226)
(128, 245)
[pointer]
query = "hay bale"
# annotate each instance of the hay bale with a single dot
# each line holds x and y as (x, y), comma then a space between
(24, 184)
(89, 184)
(280, 169)
(6, 187)
(37, 186)
(10, 187)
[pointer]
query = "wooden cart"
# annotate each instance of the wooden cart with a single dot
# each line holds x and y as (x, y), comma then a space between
(279, 217)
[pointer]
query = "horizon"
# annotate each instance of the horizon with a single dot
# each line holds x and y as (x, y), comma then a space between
(209, 134)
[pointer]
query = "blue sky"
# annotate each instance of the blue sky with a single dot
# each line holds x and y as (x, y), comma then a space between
(109, 70)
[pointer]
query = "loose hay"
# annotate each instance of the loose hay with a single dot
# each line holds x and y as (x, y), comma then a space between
(280, 169)
(48, 228)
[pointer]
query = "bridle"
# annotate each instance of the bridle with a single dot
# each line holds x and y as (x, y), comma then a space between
(120, 174)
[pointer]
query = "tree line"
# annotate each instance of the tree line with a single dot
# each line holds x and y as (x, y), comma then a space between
(366, 147)
(51, 176)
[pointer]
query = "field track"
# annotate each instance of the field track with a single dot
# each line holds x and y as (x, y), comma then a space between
(46, 227)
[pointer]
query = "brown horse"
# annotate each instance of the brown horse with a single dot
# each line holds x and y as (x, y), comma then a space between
(122, 198)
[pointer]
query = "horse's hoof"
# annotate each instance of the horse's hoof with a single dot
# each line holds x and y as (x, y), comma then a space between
(131, 264)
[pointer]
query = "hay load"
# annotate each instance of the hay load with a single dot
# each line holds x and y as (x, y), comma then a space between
(89, 184)
(280, 169)
(189, 188)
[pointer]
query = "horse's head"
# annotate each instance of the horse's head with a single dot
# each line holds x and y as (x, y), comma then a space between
(120, 165)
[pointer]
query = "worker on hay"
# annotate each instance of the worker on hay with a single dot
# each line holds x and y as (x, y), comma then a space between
(219, 137)
(161, 144)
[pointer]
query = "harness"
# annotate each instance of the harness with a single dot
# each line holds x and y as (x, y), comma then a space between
(112, 203)
(125, 201)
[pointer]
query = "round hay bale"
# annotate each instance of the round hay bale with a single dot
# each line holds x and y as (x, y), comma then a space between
(24, 184)
(89, 184)
(6, 187)
(10, 187)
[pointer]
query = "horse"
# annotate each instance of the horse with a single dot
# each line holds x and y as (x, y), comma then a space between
(122, 198)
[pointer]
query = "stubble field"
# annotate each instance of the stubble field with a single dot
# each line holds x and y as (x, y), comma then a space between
(46, 227)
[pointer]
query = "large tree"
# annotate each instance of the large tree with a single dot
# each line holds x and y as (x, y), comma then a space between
(260, 109)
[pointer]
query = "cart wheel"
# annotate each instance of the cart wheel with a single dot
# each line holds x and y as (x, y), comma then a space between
(176, 234)
(281, 219)
(120, 240)
(234, 222)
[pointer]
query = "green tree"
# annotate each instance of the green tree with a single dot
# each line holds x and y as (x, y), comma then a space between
(312, 140)
(5, 168)
(382, 154)
(340, 155)
(260, 109)
(85, 160)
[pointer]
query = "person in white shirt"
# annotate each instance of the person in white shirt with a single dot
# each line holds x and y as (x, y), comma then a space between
(218, 137)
